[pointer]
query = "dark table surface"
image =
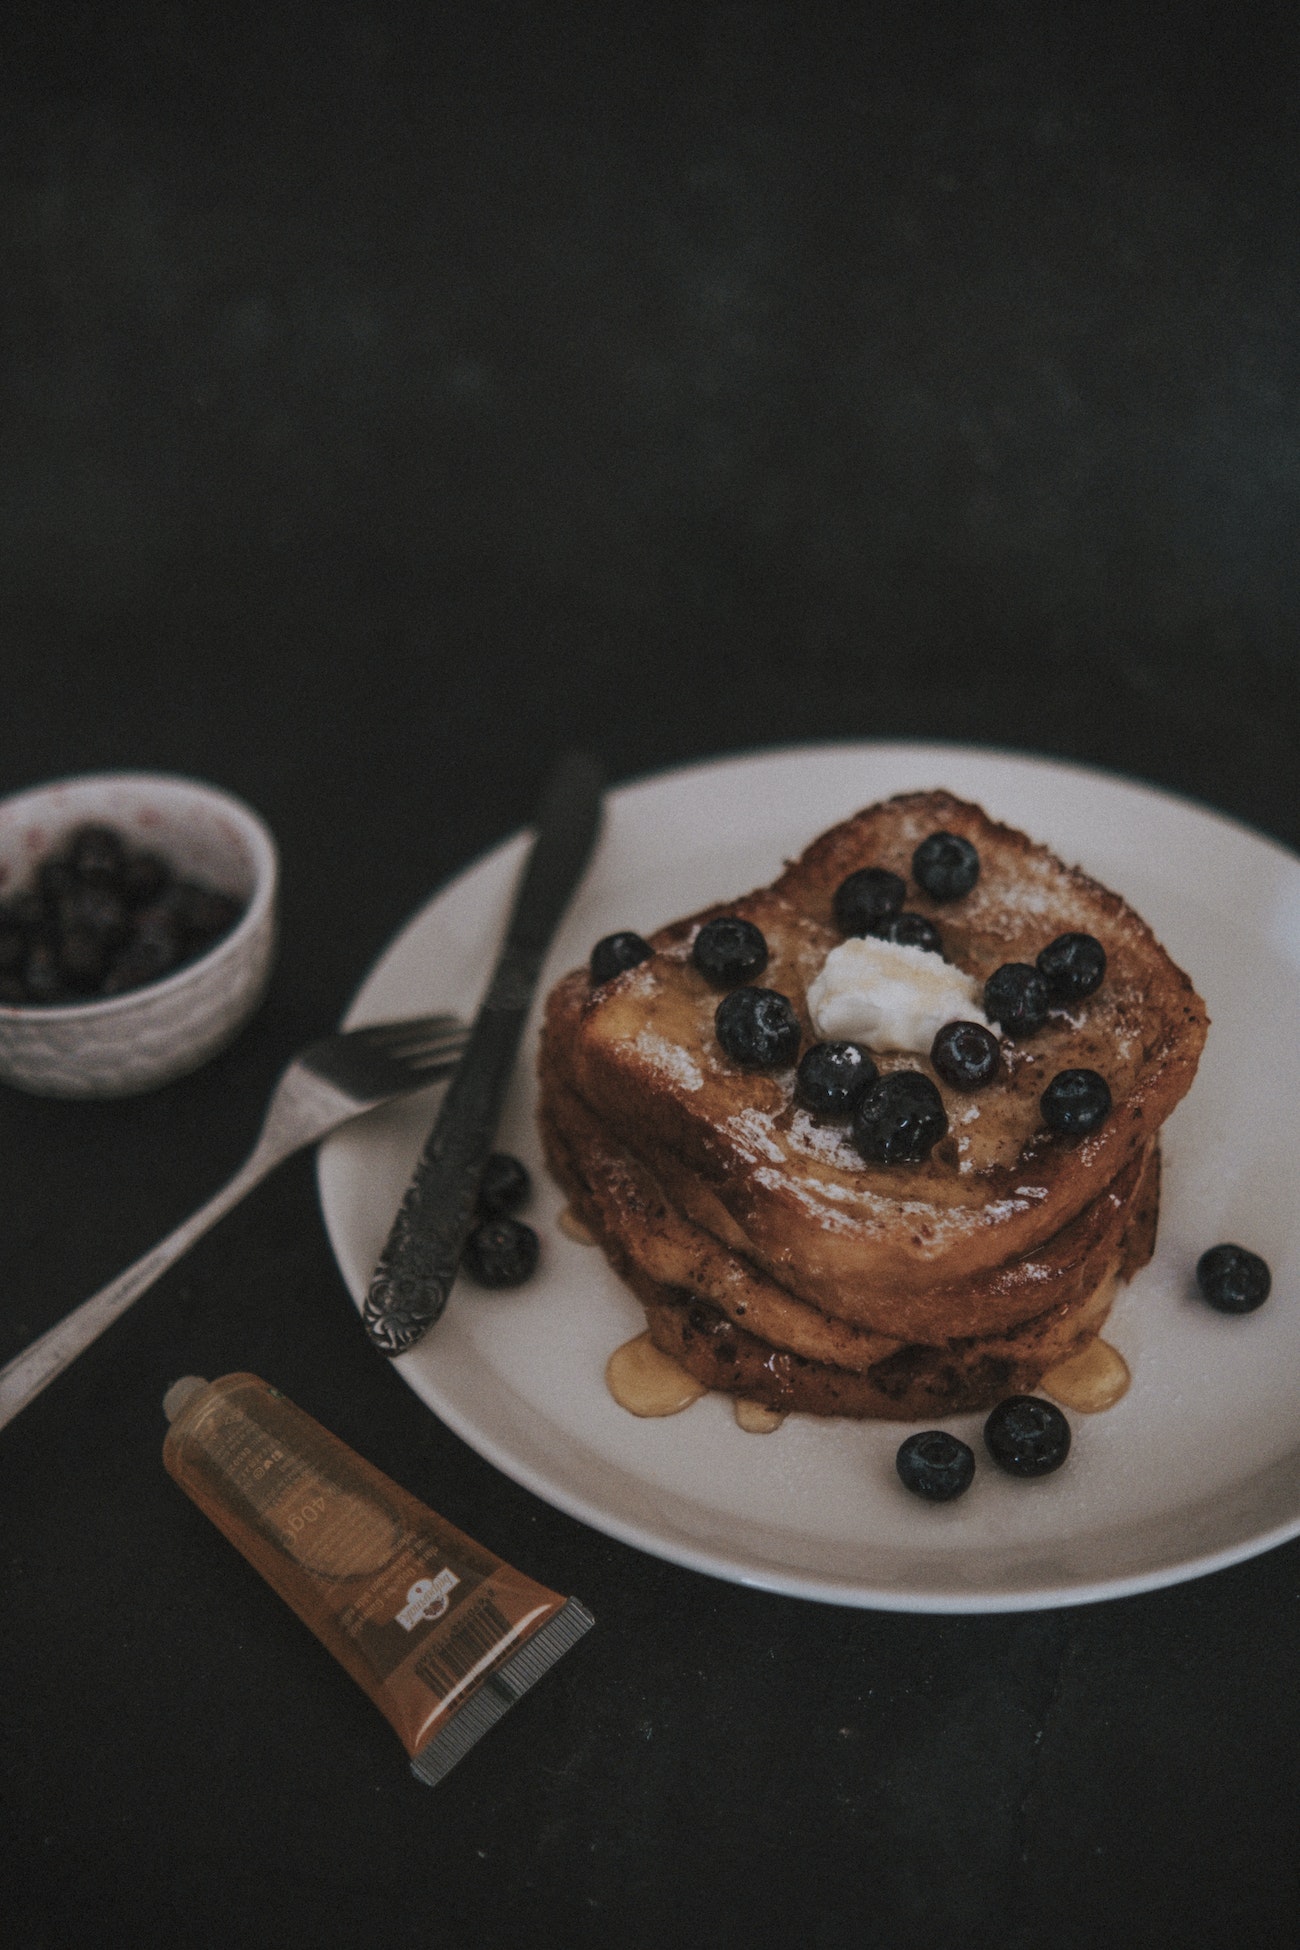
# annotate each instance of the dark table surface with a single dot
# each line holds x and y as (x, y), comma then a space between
(393, 397)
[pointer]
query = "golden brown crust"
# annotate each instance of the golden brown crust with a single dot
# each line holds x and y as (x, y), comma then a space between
(856, 1241)
(638, 1209)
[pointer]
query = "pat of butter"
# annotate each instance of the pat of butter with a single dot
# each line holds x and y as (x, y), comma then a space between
(890, 996)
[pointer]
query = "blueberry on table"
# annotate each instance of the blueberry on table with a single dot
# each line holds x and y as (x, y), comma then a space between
(1233, 1280)
(1016, 998)
(616, 952)
(1027, 1436)
(832, 1077)
(900, 1119)
(868, 899)
(935, 1465)
(1073, 966)
(504, 1186)
(1076, 1102)
(913, 931)
(501, 1252)
(966, 1055)
(729, 950)
(945, 866)
(758, 1029)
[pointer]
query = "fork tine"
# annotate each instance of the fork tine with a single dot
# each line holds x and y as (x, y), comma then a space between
(386, 1035)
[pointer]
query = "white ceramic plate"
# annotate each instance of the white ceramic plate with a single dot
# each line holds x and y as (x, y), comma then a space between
(1197, 1467)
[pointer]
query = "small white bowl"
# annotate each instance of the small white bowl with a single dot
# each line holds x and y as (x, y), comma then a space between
(144, 1038)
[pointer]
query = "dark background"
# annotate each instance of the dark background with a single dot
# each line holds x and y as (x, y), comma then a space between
(389, 397)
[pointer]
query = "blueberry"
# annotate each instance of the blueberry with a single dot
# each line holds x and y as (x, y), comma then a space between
(832, 1077)
(935, 1465)
(868, 898)
(1072, 966)
(913, 931)
(97, 855)
(202, 914)
(93, 910)
(966, 1055)
(1027, 1436)
(1233, 1280)
(41, 975)
(1075, 1102)
(728, 950)
(501, 1252)
(82, 957)
(54, 880)
(614, 953)
(900, 1119)
(144, 877)
(13, 942)
(945, 866)
(504, 1186)
(758, 1029)
(1016, 998)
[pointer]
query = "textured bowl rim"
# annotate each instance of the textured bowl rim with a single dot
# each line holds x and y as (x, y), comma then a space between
(266, 867)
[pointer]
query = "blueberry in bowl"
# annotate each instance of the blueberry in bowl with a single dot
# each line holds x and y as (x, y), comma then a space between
(137, 930)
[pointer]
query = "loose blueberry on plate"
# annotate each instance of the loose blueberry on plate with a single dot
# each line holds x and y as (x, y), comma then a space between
(501, 1252)
(913, 931)
(729, 950)
(504, 1186)
(614, 953)
(900, 1119)
(1027, 1436)
(966, 1055)
(935, 1465)
(868, 899)
(1074, 965)
(945, 866)
(1075, 1102)
(1233, 1279)
(832, 1077)
(1016, 998)
(758, 1029)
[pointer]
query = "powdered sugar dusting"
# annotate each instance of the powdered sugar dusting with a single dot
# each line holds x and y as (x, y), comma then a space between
(671, 1058)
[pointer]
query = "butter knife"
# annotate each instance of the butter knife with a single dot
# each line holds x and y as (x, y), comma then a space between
(418, 1264)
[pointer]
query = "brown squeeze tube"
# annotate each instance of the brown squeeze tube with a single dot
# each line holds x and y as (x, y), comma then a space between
(441, 1634)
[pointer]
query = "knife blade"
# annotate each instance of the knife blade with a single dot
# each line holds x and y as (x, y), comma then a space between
(415, 1271)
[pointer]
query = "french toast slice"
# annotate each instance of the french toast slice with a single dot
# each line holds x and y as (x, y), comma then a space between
(912, 1252)
(736, 1329)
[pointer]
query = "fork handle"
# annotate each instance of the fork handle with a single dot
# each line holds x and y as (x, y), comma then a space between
(23, 1378)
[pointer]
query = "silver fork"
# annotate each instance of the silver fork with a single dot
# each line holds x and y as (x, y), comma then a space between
(331, 1081)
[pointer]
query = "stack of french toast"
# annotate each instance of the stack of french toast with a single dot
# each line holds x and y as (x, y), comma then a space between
(781, 1258)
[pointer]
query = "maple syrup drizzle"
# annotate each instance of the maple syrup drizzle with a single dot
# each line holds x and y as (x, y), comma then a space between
(1090, 1381)
(756, 1418)
(573, 1228)
(646, 1381)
